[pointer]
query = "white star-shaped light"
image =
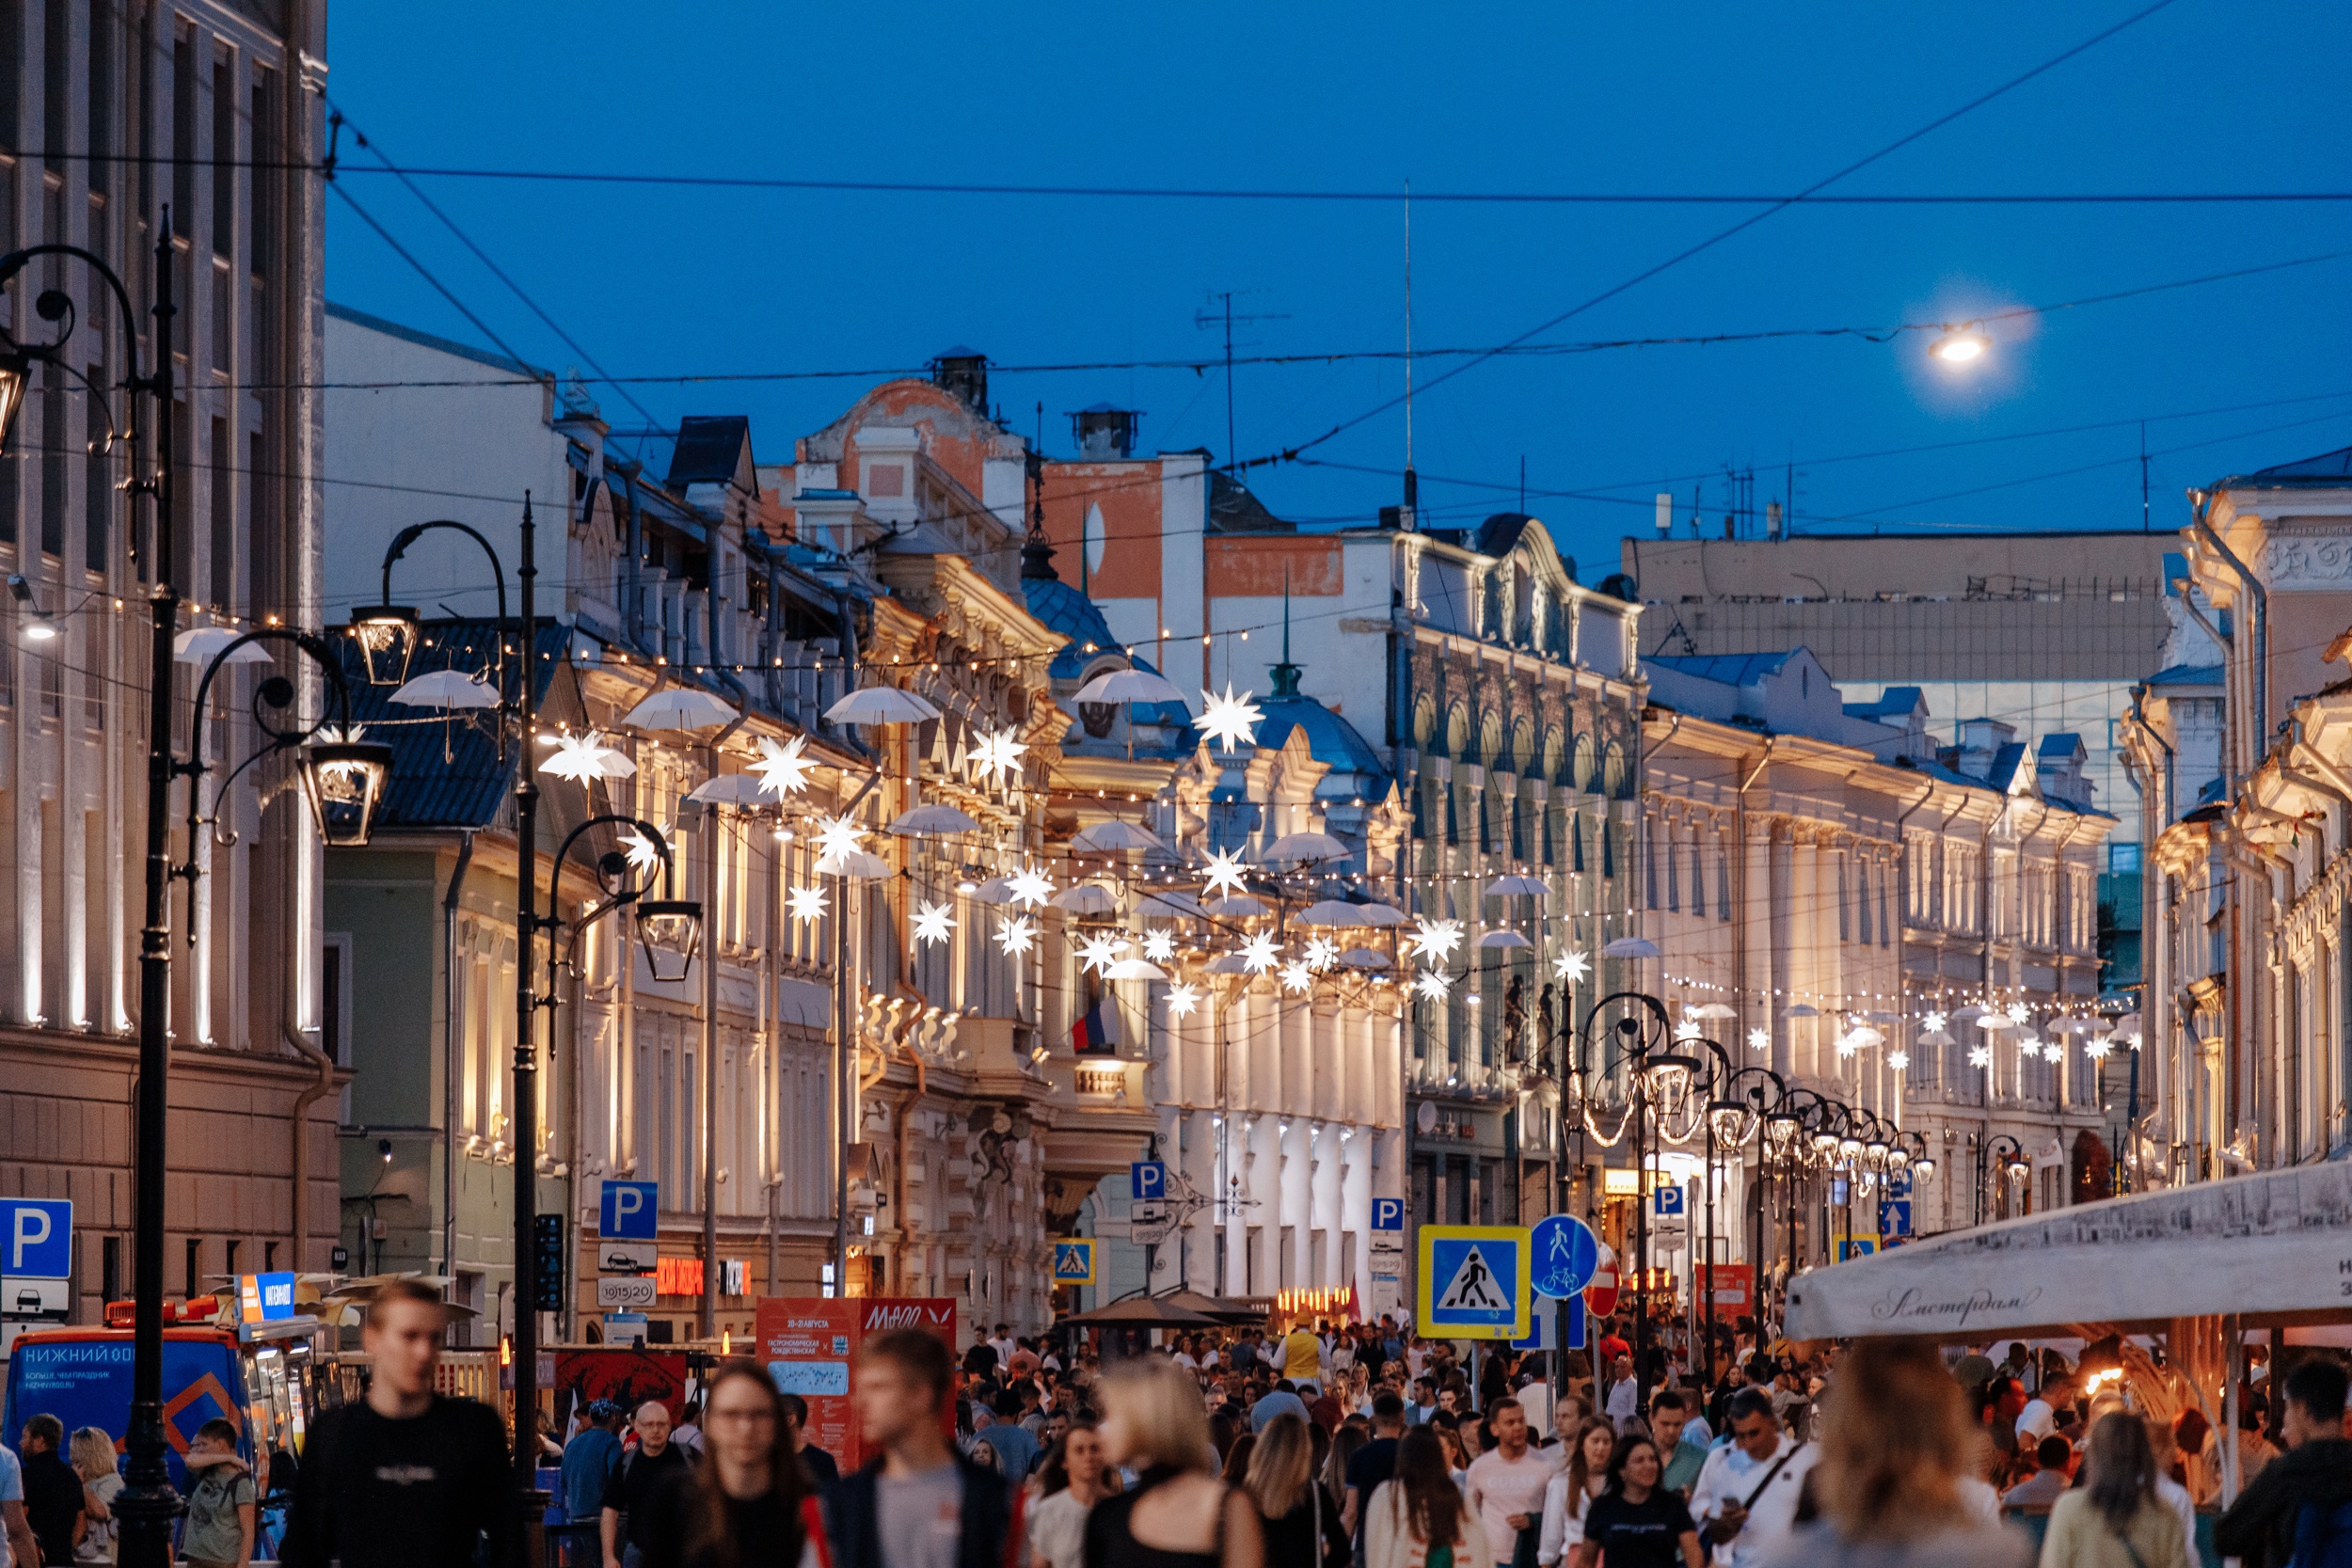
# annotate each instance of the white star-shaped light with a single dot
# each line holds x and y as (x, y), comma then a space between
(1225, 871)
(643, 853)
(1321, 953)
(783, 769)
(809, 903)
(1934, 1020)
(837, 840)
(1261, 953)
(1433, 984)
(1571, 966)
(2097, 1049)
(2029, 1046)
(2019, 1012)
(585, 758)
(1898, 1060)
(1098, 952)
(1687, 1030)
(933, 922)
(998, 756)
(1296, 976)
(1028, 887)
(1846, 1047)
(2132, 1040)
(1159, 947)
(1227, 718)
(1016, 936)
(1980, 1056)
(1759, 1039)
(1436, 939)
(1181, 1000)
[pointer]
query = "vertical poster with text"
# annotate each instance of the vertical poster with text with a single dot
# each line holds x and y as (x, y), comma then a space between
(809, 1345)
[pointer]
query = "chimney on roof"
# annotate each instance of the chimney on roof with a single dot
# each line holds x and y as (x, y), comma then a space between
(963, 371)
(1103, 431)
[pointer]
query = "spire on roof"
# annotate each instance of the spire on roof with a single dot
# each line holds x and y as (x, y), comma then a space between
(1285, 674)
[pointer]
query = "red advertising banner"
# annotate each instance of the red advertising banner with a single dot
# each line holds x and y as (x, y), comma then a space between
(810, 1344)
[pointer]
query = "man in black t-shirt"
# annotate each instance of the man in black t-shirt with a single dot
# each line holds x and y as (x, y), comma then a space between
(627, 1523)
(53, 1493)
(1373, 1463)
(405, 1478)
(822, 1468)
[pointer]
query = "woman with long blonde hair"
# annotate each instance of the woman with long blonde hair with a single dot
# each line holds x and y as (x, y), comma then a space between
(2114, 1518)
(1895, 1442)
(1301, 1522)
(92, 1454)
(1179, 1514)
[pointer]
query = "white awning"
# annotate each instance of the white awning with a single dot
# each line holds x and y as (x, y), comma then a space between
(2273, 1245)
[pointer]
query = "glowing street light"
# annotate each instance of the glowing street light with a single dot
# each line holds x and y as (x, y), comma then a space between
(1960, 346)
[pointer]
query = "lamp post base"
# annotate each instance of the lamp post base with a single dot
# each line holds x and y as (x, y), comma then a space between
(147, 1504)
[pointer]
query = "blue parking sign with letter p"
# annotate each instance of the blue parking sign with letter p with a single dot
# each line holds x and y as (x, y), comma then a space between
(1388, 1213)
(630, 1211)
(1147, 1180)
(36, 1237)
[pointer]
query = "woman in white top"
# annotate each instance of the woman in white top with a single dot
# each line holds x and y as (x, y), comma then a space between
(1074, 1479)
(1571, 1492)
(1421, 1520)
(93, 1454)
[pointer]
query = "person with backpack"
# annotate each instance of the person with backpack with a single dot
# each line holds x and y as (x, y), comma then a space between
(2114, 1518)
(627, 1523)
(2299, 1509)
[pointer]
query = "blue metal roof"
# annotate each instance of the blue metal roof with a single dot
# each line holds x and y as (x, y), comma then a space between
(1331, 739)
(2188, 674)
(2061, 743)
(446, 773)
(1729, 668)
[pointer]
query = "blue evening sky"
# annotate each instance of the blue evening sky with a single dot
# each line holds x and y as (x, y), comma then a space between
(1675, 97)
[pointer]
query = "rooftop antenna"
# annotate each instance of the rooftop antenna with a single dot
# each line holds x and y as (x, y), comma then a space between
(1412, 484)
(2143, 476)
(1227, 318)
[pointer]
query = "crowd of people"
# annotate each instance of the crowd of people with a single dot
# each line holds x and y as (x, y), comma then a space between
(1353, 1446)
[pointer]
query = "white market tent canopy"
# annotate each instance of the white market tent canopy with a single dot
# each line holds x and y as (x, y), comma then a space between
(2272, 1247)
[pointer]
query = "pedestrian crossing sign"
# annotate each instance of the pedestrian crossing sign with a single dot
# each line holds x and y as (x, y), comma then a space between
(1473, 1281)
(1074, 1261)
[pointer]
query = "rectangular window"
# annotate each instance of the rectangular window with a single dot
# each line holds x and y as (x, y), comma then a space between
(261, 206)
(56, 86)
(57, 448)
(110, 1269)
(224, 323)
(183, 79)
(98, 482)
(103, 22)
(224, 530)
(11, 76)
(224, 151)
(196, 1262)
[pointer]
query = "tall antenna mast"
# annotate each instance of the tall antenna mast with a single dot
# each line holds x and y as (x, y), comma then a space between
(1412, 485)
(2143, 476)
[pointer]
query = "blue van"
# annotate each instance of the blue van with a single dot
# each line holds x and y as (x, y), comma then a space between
(266, 1379)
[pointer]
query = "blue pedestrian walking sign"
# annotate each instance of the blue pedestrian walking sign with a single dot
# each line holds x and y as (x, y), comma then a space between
(1566, 1254)
(1473, 1281)
(1073, 1261)
(630, 1211)
(1388, 1213)
(1147, 1180)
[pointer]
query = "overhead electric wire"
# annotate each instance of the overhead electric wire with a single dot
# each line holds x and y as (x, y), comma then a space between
(427, 273)
(1233, 192)
(480, 255)
(1718, 237)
